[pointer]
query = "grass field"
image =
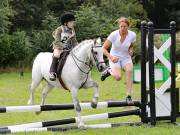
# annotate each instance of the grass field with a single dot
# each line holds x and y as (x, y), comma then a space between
(14, 92)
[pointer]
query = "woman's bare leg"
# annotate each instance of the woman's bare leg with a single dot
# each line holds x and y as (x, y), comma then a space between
(129, 69)
(116, 73)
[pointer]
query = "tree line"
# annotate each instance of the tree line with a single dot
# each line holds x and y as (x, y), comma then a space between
(26, 25)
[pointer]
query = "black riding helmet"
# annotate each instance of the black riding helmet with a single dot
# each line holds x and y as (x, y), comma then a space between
(67, 17)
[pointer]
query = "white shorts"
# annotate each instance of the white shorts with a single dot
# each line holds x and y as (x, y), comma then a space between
(121, 63)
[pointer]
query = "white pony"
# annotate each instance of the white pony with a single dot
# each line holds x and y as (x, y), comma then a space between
(75, 73)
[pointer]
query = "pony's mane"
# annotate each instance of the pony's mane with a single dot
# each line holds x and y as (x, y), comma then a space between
(82, 44)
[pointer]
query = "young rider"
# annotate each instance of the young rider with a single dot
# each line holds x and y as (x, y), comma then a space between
(64, 38)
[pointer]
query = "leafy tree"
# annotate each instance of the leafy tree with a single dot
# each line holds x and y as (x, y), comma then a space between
(88, 22)
(162, 12)
(50, 22)
(60, 6)
(29, 14)
(5, 12)
(113, 9)
(13, 48)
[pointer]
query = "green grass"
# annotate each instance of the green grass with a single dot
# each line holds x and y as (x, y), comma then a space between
(14, 92)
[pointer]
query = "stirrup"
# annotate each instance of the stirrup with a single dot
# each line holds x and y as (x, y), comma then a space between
(53, 76)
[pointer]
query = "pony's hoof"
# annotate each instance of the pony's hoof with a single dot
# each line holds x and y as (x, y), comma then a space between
(37, 113)
(81, 126)
(93, 104)
(29, 103)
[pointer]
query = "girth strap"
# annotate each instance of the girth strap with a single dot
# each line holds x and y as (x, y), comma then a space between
(63, 85)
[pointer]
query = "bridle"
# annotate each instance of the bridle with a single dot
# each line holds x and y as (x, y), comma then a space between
(87, 63)
(95, 58)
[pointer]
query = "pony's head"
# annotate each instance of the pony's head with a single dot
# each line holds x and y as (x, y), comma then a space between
(97, 55)
(89, 52)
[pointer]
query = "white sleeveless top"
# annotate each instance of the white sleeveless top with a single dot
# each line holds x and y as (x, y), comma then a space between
(121, 49)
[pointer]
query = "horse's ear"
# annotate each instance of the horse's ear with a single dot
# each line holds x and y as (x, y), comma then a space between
(98, 40)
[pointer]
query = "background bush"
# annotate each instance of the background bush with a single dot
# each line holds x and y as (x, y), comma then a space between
(13, 48)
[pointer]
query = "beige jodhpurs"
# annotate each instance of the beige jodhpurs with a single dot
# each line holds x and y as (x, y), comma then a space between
(57, 52)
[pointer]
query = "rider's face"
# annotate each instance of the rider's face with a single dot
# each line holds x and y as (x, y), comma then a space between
(71, 24)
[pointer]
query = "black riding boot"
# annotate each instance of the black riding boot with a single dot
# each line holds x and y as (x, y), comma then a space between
(53, 69)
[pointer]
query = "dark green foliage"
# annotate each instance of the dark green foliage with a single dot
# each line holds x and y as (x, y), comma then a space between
(40, 42)
(5, 13)
(60, 6)
(91, 24)
(29, 14)
(161, 12)
(13, 48)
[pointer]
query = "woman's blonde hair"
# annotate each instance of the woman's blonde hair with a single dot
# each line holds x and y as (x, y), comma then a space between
(123, 19)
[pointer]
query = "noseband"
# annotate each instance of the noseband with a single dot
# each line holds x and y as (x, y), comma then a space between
(95, 58)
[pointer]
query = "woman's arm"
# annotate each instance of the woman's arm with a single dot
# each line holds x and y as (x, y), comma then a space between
(131, 50)
(105, 48)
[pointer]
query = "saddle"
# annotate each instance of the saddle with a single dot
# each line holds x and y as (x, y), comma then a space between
(62, 61)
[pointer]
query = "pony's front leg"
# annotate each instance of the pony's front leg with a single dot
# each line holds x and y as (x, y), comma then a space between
(95, 85)
(77, 107)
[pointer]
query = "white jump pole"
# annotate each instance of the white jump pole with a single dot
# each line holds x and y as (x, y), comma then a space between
(73, 120)
(65, 128)
(36, 108)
